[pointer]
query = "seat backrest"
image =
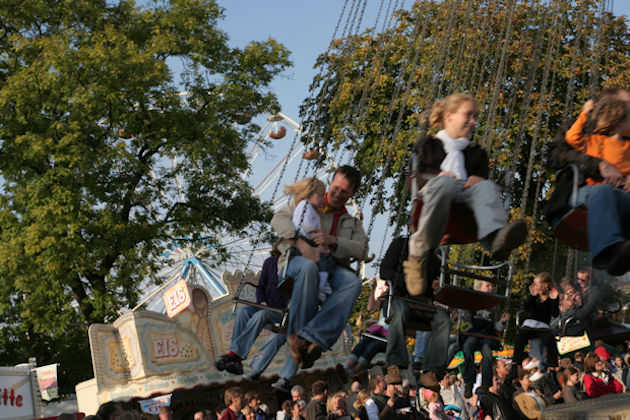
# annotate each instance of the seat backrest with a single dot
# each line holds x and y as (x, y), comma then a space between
(461, 227)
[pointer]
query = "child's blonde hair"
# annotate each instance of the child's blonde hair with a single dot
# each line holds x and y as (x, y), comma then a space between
(303, 189)
(478, 283)
(449, 104)
(609, 113)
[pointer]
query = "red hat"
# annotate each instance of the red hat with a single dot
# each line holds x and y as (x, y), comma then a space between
(603, 353)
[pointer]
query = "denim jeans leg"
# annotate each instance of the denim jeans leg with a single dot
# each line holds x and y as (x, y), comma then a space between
(607, 219)
(361, 346)
(247, 333)
(396, 352)
(289, 369)
(305, 275)
(420, 348)
(327, 325)
(373, 348)
(268, 352)
(437, 196)
(241, 318)
(471, 344)
(537, 350)
(436, 357)
(484, 199)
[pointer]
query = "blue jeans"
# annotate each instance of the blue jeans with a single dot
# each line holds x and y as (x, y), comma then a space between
(248, 322)
(608, 219)
(420, 348)
(435, 359)
(472, 344)
(289, 369)
(537, 350)
(267, 352)
(321, 326)
(366, 349)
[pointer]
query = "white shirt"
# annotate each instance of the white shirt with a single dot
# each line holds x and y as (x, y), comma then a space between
(310, 219)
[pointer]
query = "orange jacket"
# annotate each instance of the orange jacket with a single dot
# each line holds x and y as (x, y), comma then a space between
(612, 150)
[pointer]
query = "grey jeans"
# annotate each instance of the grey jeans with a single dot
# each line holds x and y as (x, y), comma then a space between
(483, 199)
(436, 356)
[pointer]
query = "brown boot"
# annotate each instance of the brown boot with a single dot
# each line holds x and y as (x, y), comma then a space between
(415, 275)
(507, 238)
(429, 380)
(297, 348)
(394, 376)
(313, 352)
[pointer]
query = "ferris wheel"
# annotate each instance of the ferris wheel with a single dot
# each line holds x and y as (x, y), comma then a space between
(276, 157)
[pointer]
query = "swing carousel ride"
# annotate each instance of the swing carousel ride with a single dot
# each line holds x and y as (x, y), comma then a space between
(367, 107)
(528, 63)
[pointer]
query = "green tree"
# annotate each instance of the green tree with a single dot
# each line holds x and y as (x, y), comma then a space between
(530, 64)
(91, 116)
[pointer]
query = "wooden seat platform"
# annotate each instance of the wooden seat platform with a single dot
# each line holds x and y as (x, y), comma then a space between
(571, 229)
(465, 298)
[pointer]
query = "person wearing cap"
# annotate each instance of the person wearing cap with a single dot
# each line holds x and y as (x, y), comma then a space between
(602, 351)
(312, 330)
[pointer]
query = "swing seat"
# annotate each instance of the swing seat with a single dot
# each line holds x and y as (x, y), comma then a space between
(455, 295)
(571, 229)
(278, 327)
(465, 298)
(461, 227)
(422, 309)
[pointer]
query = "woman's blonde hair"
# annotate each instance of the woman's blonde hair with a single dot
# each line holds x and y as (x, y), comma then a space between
(303, 189)
(362, 397)
(329, 404)
(609, 114)
(449, 104)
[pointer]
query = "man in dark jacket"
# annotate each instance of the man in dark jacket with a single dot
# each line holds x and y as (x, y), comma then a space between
(496, 405)
(316, 408)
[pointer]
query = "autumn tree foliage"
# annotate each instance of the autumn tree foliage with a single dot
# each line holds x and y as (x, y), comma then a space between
(97, 100)
(530, 64)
